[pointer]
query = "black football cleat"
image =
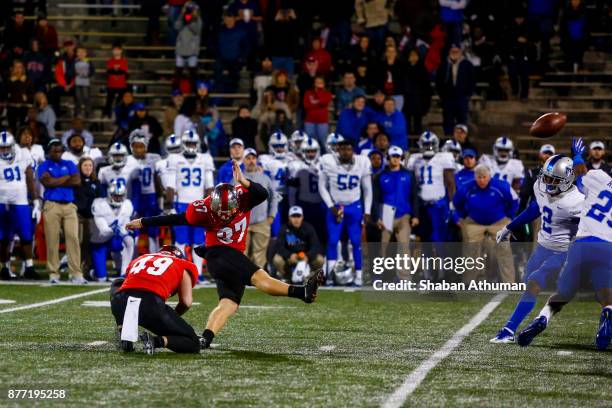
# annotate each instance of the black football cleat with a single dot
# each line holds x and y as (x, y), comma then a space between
(147, 343)
(537, 326)
(312, 284)
(30, 273)
(5, 274)
(203, 343)
(123, 345)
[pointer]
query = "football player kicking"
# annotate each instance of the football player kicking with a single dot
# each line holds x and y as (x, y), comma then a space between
(140, 300)
(225, 215)
(591, 252)
(559, 203)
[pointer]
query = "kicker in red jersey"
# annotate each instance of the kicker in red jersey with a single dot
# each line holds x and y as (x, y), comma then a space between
(218, 232)
(158, 273)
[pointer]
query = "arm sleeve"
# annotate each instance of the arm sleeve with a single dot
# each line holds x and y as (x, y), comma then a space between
(163, 220)
(257, 194)
(325, 196)
(529, 214)
(366, 184)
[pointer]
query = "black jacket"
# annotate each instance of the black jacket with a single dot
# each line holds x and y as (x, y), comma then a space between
(463, 86)
(293, 240)
(245, 129)
(85, 195)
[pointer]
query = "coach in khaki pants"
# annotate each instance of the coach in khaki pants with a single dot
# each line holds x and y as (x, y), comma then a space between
(485, 206)
(59, 177)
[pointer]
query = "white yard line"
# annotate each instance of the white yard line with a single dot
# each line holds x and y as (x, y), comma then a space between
(327, 348)
(97, 343)
(415, 378)
(6, 301)
(53, 301)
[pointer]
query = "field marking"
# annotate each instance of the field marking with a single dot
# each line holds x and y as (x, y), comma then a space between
(6, 301)
(327, 348)
(266, 307)
(417, 376)
(106, 303)
(97, 343)
(565, 353)
(53, 301)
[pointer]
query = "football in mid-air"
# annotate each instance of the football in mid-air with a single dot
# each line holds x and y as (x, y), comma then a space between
(548, 124)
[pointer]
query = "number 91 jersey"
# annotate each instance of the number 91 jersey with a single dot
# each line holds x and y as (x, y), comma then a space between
(190, 178)
(13, 187)
(596, 217)
(159, 274)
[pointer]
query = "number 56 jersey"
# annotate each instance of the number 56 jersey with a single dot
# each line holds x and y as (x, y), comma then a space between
(596, 217)
(190, 178)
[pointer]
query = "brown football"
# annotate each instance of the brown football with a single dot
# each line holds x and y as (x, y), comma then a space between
(548, 124)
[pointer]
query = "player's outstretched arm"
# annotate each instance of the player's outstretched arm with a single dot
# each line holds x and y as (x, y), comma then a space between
(529, 214)
(158, 221)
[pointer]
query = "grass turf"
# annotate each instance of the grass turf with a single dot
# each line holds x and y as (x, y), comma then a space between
(341, 351)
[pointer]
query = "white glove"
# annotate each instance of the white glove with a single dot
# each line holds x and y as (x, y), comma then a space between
(36, 210)
(503, 235)
(170, 211)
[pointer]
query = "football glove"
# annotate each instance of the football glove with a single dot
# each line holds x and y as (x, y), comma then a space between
(578, 147)
(503, 234)
(36, 210)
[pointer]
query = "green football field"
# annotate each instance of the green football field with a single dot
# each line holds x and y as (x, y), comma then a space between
(347, 349)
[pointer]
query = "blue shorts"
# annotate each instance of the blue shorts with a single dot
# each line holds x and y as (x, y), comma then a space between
(544, 265)
(586, 255)
(16, 219)
(149, 207)
(187, 235)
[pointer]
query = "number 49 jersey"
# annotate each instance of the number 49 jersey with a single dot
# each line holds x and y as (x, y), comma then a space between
(13, 187)
(596, 217)
(430, 174)
(190, 178)
(159, 274)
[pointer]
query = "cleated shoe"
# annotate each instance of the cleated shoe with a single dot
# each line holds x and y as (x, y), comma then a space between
(504, 336)
(312, 284)
(536, 327)
(604, 334)
(147, 343)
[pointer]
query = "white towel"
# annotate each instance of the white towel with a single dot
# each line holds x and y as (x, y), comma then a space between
(129, 331)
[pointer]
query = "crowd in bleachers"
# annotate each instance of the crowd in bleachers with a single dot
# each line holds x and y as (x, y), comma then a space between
(357, 75)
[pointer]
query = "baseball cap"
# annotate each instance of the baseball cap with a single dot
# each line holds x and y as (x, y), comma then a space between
(597, 144)
(296, 210)
(547, 148)
(468, 153)
(374, 151)
(249, 151)
(462, 127)
(139, 106)
(236, 140)
(201, 84)
(176, 92)
(395, 151)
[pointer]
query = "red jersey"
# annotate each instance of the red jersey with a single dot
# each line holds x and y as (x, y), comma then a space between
(157, 273)
(117, 70)
(232, 233)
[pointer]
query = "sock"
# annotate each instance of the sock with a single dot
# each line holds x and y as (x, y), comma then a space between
(358, 276)
(158, 342)
(29, 262)
(197, 260)
(208, 336)
(523, 308)
(296, 291)
(546, 312)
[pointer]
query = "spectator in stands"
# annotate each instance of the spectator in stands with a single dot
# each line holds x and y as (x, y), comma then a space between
(451, 15)
(84, 72)
(433, 55)
(263, 78)
(417, 93)
(373, 15)
(316, 110)
(460, 135)
(116, 80)
(78, 127)
(262, 216)
(284, 91)
(230, 54)
(65, 75)
(60, 214)
(175, 8)
(394, 123)
(236, 151)
(347, 92)
(171, 111)
(266, 113)
(46, 36)
(377, 165)
(353, 120)
(377, 103)
(185, 120)
(27, 140)
(455, 85)
(19, 90)
(244, 126)
(484, 207)
(189, 29)
(248, 16)
(468, 159)
(85, 194)
(574, 33)
(362, 54)
(382, 143)
(521, 52)
(542, 16)
(39, 131)
(124, 111)
(366, 144)
(210, 127)
(597, 154)
(321, 55)
(282, 123)
(17, 34)
(149, 124)
(46, 114)
(37, 67)
(363, 78)
(297, 241)
(281, 36)
(391, 75)
(338, 20)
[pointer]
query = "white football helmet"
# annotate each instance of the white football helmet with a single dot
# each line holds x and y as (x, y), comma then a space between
(452, 146)
(503, 149)
(278, 145)
(310, 150)
(557, 175)
(297, 138)
(191, 143)
(117, 155)
(8, 148)
(332, 140)
(429, 144)
(173, 144)
(117, 192)
(343, 274)
(138, 136)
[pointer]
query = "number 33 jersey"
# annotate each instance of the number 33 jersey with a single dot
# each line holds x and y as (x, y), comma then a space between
(190, 178)
(219, 233)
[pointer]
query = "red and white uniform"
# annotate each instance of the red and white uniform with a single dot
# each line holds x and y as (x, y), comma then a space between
(158, 273)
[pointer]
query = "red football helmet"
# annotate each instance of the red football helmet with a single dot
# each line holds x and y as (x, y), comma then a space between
(171, 250)
(224, 201)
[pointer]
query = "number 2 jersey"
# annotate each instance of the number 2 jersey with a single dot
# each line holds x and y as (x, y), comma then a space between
(158, 273)
(233, 233)
(596, 217)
